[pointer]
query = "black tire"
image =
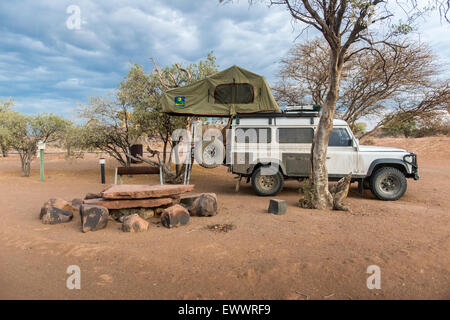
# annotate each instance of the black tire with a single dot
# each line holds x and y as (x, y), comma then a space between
(267, 185)
(388, 184)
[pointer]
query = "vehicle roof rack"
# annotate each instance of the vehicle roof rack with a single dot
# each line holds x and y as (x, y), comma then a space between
(271, 115)
(303, 108)
(292, 113)
(278, 115)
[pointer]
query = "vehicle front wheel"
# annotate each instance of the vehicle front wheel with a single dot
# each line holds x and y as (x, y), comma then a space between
(267, 185)
(388, 184)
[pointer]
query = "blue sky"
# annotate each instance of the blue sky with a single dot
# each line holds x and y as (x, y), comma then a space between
(47, 66)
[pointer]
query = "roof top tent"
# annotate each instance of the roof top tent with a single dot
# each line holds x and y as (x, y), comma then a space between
(228, 93)
(224, 94)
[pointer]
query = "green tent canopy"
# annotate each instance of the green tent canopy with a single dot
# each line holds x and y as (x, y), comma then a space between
(226, 93)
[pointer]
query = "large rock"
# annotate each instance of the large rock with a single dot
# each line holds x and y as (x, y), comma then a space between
(54, 216)
(134, 191)
(93, 217)
(56, 211)
(134, 223)
(128, 204)
(204, 206)
(175, 216)
(188, 199)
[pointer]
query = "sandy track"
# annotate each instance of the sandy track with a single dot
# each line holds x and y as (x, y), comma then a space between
(322, 254)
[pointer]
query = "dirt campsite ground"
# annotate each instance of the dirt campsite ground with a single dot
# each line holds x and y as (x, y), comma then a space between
(304, 254)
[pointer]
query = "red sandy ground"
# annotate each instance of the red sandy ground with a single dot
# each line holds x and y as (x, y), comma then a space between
(304, 253)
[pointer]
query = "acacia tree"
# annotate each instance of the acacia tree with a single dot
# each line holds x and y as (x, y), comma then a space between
(342, 23)
(372, 81)
(109, 128)
(4, 134)
(26, 131)
(143, 91)
(72, 140)
(420, 106)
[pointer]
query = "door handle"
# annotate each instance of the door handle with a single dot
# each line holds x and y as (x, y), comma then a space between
(328, 158)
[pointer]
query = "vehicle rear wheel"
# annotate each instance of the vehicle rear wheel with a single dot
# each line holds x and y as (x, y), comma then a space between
(388, 184)
(267, 185)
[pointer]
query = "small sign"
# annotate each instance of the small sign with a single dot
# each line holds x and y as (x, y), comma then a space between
(41, 145)
(180, 102)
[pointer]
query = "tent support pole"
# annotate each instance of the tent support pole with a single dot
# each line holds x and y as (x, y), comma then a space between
(161, 176)
(187, 172)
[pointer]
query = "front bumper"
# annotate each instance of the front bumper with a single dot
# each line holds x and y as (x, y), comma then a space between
(411, 159)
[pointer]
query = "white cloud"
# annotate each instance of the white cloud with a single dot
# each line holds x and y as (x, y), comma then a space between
(43, 61)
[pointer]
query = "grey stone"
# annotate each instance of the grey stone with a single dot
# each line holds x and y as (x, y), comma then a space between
(277, 206)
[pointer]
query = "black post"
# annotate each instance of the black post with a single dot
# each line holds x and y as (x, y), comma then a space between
(102, 169)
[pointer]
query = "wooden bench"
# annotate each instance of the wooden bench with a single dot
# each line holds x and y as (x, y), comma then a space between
(120, 171)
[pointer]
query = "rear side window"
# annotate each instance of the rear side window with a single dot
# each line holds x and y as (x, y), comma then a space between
(253, 135)
(295, 135)
(237, 93)
(339, 137)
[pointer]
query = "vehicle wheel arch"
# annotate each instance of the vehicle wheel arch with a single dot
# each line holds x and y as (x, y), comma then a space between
(268, 162)
(382, 163)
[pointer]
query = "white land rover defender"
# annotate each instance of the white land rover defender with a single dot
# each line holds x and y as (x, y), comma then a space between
(283, 141)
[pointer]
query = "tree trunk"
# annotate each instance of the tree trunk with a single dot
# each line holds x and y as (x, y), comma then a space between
(128, 163)
(322, 198)
(27, 170)
(26, 164)
(4, 151)
(164, 152)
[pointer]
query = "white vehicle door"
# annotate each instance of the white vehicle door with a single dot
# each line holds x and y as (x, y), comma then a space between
(342, 156)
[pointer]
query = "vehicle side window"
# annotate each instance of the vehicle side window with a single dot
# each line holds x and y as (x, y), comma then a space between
(239, 93)
(339, 137)
(295, 135)
(253, 135)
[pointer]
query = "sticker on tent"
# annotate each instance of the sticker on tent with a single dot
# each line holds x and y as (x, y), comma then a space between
(180, 102)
